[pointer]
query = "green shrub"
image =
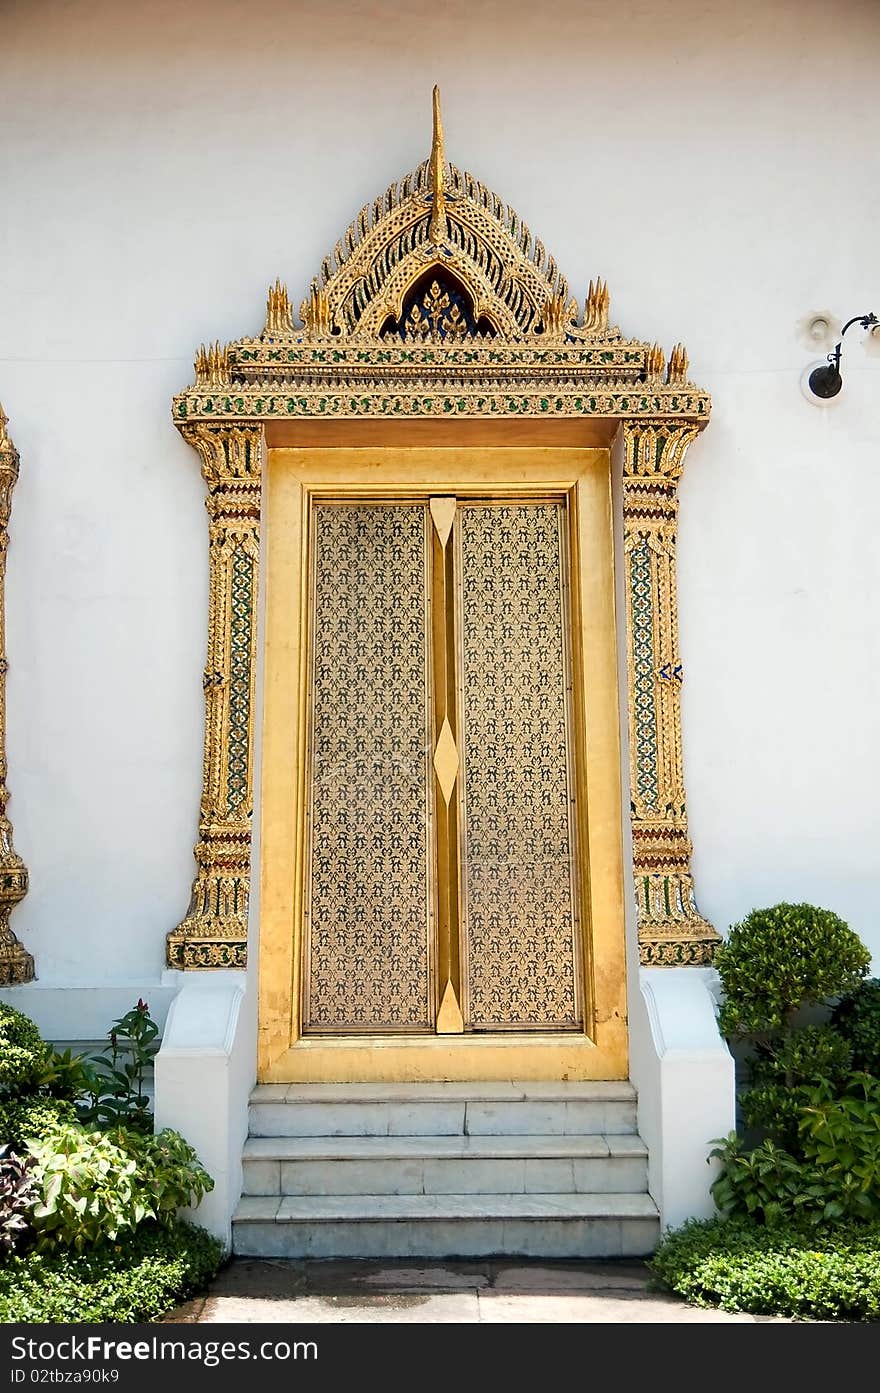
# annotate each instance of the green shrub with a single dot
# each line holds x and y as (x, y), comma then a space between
(831, 1274)
(857, 1017)
(169, 1174)
(784, 1070)
(781, 959)
(811, 1055)
(22, 1050)
(87, 1189)
(766, 1184)
(118, 1074)
(29, 1117)
(138, 1280)
(63, 1075)
(18, 1196)
(94, 1185)
(108, 1088)
(775, 1111)
(840, 1137)
(835, 1175)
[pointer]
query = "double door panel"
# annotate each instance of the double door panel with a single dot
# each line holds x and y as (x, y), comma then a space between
(441, 888)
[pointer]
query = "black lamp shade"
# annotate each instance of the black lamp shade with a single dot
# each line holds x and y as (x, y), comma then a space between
(826, 381)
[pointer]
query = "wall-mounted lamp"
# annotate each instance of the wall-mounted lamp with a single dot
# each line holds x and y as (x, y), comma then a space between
(821, 382)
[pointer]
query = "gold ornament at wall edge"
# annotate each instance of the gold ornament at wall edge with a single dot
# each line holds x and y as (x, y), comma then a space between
(214, 931)
(672, 931)
(377, 343)
(16, 963)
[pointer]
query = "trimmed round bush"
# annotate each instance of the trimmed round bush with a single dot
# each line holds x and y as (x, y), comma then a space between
(817, 1274)
(857, 1018)
(29, 1118)
(22, 1050)
(153, 1271)
(781, 959)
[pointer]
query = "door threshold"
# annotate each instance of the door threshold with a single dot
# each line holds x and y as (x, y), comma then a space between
(444, 1059)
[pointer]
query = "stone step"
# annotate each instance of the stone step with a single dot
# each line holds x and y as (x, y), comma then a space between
(446, 1226)
(444, 1109)
(444, 1165)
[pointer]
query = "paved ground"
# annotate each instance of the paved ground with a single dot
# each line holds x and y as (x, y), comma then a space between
(504, 1289)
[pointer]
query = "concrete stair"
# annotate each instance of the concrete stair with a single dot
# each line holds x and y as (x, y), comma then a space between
(444, 1170)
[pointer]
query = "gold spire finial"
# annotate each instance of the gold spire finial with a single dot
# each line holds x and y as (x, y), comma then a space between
(437, 168)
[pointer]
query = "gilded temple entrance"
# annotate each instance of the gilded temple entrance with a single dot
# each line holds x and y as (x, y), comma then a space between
(411, 486)
(439, 891)
(441, 863)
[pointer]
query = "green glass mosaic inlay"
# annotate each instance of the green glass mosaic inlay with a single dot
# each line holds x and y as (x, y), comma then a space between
(239, 680)
(645, 733)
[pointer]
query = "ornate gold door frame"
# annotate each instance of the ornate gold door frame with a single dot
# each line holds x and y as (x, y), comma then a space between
(439, 312)
(301, 482)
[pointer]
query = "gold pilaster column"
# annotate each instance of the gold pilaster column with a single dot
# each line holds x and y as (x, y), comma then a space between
(672, 932)
(16, 964)
(214, 932)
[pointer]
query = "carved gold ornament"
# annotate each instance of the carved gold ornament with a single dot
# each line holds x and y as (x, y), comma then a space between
(438, 303)
(16, 964)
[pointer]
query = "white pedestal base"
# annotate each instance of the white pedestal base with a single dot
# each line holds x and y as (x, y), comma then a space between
(684, 1073)
(205, 1071)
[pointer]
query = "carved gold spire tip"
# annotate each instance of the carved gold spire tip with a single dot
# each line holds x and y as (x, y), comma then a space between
(279, 312)
(437, 170)
(596, 307)
(655, 362)
(315, 312)
(212, 365)
(678, 366)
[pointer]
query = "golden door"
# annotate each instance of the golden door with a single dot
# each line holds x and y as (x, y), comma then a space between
(438, 876)
(441, 846)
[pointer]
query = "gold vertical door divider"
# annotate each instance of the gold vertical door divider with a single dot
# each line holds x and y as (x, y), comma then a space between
(446, 766)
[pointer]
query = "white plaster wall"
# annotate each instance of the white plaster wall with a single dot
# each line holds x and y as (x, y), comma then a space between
(161, 163)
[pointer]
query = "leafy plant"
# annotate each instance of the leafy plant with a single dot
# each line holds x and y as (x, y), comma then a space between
(840, 1136)
(169, 1174)
(63, 1075)
(87, 1189)
(22, 1051)
(806, 1056)
(775, 1111)
(116, 1086)
(809, 1274)
(766, 1184)
(94, 1186)
(834, 1175)
(28, 1118)
(779, 960)
(783, 1070)
(139, 1280)
(17, 1198)
(857, 1017)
